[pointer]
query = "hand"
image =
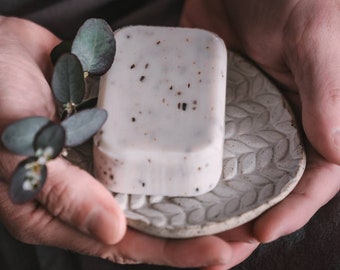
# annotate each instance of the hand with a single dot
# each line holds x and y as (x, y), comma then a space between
(74, 211)
(296, 43)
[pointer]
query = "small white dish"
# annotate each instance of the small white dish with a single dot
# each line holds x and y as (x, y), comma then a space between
(263, 161)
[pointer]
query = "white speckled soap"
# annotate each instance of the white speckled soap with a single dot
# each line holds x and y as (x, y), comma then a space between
(165, 97)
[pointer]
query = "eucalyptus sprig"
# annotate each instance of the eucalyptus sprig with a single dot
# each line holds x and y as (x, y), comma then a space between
(90, 54)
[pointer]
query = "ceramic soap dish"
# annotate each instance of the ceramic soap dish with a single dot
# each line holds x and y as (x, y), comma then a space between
(263, 161)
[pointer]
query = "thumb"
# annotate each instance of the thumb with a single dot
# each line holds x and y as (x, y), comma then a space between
(75, 197)
(316, 69)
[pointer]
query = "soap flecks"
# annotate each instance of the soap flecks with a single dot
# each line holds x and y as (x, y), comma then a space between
(176, 90)
(182, 106)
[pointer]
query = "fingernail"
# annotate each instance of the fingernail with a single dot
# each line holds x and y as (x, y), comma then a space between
(253, 241)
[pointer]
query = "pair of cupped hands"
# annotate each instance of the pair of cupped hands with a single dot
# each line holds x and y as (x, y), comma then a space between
(296, 42)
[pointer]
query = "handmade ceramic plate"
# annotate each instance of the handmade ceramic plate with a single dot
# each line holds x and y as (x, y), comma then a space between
(263, 161)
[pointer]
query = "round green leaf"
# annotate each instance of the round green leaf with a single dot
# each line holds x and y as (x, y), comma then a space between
(27, 180)
(50, 136)
(68, 84)
(95, 46)
(60, 49)
(19, 136)
(83, 125)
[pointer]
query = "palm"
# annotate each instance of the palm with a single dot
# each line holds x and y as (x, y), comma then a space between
(264, 32)
(73, 205)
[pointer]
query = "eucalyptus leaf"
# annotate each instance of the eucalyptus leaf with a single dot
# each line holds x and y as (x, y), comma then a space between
(68, 84)
(27, 180)
(83, 125)
(95, 46)
(60, 49)
(19, 136)
(50, 136)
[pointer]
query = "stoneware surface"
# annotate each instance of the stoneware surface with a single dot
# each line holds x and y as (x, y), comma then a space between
(263, 161)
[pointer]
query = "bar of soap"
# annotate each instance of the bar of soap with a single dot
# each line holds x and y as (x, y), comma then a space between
(165, 97)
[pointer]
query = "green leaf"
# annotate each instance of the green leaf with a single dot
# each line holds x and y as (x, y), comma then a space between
(27, 180)
(19, 136)
(83, 125)
(60, 49)
(68, 84)
(95, 46)
(50, 139)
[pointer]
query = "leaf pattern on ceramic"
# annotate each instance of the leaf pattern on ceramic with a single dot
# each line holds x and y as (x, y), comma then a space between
(263, 161)
(263, 158)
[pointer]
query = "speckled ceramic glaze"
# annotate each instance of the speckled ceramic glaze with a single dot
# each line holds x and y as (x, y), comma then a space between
(263, 161)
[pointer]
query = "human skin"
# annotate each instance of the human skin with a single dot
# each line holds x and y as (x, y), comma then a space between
(73, 210)
(295, 42)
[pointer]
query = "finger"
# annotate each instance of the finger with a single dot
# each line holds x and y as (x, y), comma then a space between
(74, 196)
(240, 251)
(23, 36)
(243, 233)
(315, 65)
(195, 252)
(32, 224)
(320, 183)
